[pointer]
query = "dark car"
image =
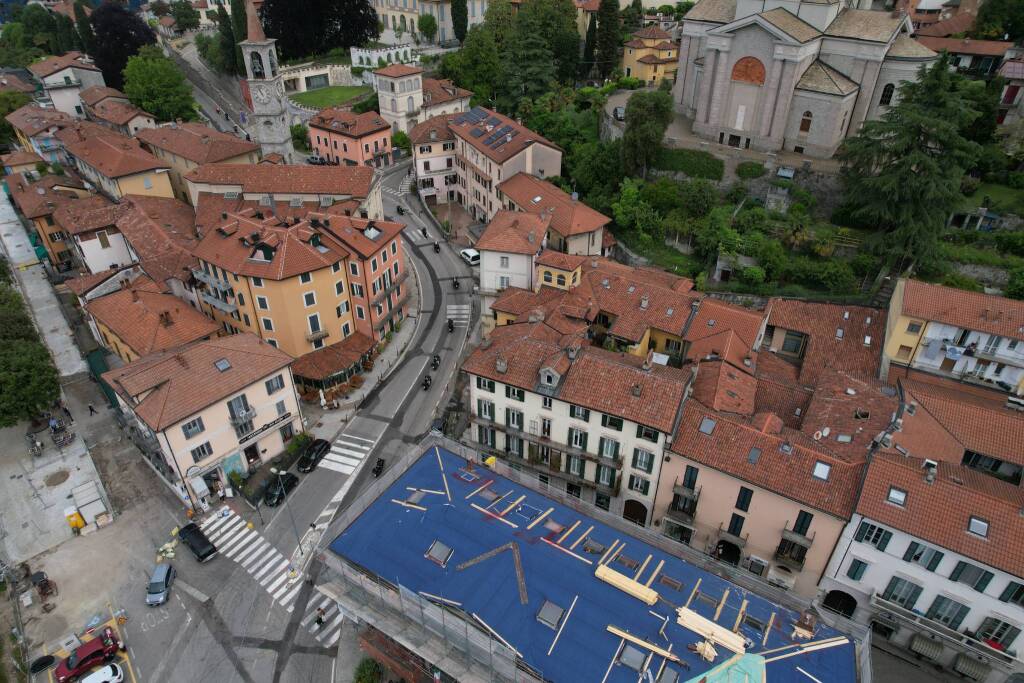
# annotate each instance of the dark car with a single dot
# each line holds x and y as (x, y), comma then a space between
(315, 450)
(102, 648)
(278, 488)
(192, 536)
(316, 160)
(619, 113)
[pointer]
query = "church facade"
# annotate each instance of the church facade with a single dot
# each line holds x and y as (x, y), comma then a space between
(795, 75)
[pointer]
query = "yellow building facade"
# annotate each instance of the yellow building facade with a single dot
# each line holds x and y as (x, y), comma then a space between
(652, 56)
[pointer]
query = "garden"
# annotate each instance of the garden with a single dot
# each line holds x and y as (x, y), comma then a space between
(331, 96)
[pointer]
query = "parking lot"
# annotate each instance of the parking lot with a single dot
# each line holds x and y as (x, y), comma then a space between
(123, 658)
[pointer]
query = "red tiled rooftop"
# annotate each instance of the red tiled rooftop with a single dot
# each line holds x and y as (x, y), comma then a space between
(514, 232)
(569, 216)
(969, 310)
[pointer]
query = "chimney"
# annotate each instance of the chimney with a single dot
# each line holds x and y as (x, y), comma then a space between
(930, 466)
(573, 351)
(644, 301)
(165, 318)
(636, 390)
(135, 295)
(648, 361)
(501, 364)
(985, 313)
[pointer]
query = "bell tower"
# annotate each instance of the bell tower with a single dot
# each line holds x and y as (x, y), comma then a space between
(269, 115)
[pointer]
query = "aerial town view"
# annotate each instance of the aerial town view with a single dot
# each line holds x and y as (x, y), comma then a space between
(512, 341)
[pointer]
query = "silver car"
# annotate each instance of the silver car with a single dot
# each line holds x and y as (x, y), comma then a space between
(159, 588)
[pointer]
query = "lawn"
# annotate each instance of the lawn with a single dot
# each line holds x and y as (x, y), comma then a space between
(662, 255)
(331, 95)
(1004, 198)
(693, 162)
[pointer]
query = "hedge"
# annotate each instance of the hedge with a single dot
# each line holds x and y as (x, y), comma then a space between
(748, 170)
(694, 163)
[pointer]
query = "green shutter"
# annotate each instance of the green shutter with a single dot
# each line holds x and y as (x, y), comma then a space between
(862, 531)
(911, 549)
(983, 582)
(958, 570)
(856, 569)
(634, 458)
(933, 563)
(1008, 592)
(912, 600)
(884, 541)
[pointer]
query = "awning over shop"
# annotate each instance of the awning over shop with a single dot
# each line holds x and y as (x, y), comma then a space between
(971, 667)
(925, 646)
(333, 364)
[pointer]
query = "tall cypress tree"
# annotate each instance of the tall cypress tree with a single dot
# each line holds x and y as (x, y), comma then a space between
(460, 19)
(238, 24)
(226, 41)
(589, 48)
(607, 37)
(84, 28)
(529, 65)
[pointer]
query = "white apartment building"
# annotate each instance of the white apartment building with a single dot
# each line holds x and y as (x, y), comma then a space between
(65, 77)
(407, 98)
(508, 251)
(433, 153)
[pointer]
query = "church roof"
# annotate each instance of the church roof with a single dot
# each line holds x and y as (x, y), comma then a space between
(865, 24)
(820, 77)
(716, 11)
(908, 48)
(794, 27)
(253, 26)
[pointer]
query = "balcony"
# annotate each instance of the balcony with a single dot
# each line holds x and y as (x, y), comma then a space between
(725, 535)
(222, 306)
(533, 437)
(797, 538)
(318, 335)
(212, 281)
(386, 292)
(684, 491)
(243, 416)
(796, 563)
(683, 514)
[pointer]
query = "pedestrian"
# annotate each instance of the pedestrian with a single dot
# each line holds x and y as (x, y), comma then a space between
(67, 412)
(320, 614)
(92, 410)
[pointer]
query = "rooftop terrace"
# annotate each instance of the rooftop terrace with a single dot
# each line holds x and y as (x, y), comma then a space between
(576, 599)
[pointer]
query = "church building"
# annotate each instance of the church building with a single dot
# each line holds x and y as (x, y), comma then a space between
(798, 75)
(269, 116)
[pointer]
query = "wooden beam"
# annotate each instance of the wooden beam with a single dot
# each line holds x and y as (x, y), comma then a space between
(569, 531)
(642, 643)
(739, 616)
(768, 629)
(414, 506)
(657, 570)
(562, 625)
(615, 554)
(440, 599)
(582, 536)
(540, 519)
(493, 516)
(810, 647)
(721, 604)
(626, 584)
(692, 593)
(481, 488)
(509, 508)
(567, 551)
(615, 657)
(499, 499)
(642, 568)
(608, 551)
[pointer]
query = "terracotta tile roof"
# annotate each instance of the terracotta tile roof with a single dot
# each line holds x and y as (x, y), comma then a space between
(196, 142)
(33, 119)
(398, 70)
(148, 320)
(516, 300)
(824, 350)
(714, 316)
(44, 196)
(514, 232)
(434, 129)
(87, 214)
(95, 94)
(272, 158)
(722, 387)
(161, 232)
(438, 92)
(114, 157)
(635, 43)
(652, 33)
(181, 383)
(330, 360)
(969, 310)
(846, 413)
(116, 112)
(81, 130)
(556, 259)
(651, 59)
(588, 5)
(83, 284)
(726, 345)
(499, 149)
(209, 208)
(939, 512)
(167, 20)
(568, 216)
(362, 236)
(52, 65)
(11, 82)
(67, 8)
(347, 123)
(966, 46)
(288, 178)
(784, 464)
(864, 24)
(20, 157)
(244, 234)
(781, 398)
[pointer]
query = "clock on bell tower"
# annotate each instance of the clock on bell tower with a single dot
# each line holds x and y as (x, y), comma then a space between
(269, 115)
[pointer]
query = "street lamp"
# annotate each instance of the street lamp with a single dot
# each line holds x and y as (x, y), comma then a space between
(298, 539)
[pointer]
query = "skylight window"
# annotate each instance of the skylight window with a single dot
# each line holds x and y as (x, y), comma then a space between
(439, 553)
(844, 438)
(550, 614)
(822, 470)
(897, 496)
(754, 455)
(867, 340)
(707, 425)
(222, 364)
(978, 527)
(839, 333)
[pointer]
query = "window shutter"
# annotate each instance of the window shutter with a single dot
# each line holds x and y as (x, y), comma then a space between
(983, 582)
(958, 570)
(647, 486)
(862, 531)
(884, 541)
(508, 416)
(856, 569)
(913, 597)
(933, 563)
(911, 549)
(960, 614)
(1009, 591)
(635, 453)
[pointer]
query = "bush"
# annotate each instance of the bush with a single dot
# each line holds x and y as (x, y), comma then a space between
(368, 671)
(694, 163)
(1015, 180)
(752, 275)
(865, 264)
(1012, 242)
(402, 141)
(628, 83)
(958, 281)
(748, 170)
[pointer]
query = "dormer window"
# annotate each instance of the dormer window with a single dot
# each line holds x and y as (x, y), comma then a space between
(978, 526)
(548, 378)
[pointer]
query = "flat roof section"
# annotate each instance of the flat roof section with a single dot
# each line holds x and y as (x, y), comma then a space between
(578, 600)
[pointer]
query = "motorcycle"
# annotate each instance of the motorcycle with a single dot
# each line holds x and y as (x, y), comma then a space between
(378, 467)
(401, 210)
(423, 231)
(435, 362)
(455, 283)
(426, 382)
(451, 325)
(437, 248)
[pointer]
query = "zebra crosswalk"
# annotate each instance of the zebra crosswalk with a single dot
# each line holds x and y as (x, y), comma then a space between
(460, 314)
(346, 453)
(396, 193)
(329, 632)
(407, 184)
(236, 540)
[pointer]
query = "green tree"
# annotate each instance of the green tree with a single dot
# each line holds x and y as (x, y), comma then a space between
(65, 35)
(682, 8)
(596, 169)
(154, 83)
(1000, 20)
(40, 28)
(160, 8)
(84, 27)
(529, 66)
(589, 48)
(556, 22)
(300, 136)
(633, 17)
(498, 21)
(28, 381)
(648, 114)
(476, 66)
(427, 25)
(401, 141)
(241, 32)
(314, 27)
(368, 671)
(714, 235)
(119, 35)
(9, 101)
(186, 17)
(1015, 285)
(698, 196)
(630, 198)
(664, 194)
(460, 19)
(226, 42)
(607, 37)
(14, 47)
(15, 323)
(902, 172)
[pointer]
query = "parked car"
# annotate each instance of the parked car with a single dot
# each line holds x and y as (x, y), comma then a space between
(316, 160)
(279, 487)
(311, 456)
(470, 256)
(192, 536)
(111, 673)
(103, 648)
(159, 587)
(619, 113)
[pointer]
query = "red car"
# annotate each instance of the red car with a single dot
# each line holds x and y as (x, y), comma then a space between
(103, 648)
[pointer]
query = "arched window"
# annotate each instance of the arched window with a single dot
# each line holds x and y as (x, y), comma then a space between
(256, 64)
(561, 281)
(547, 276)
(805, 122)
(748, 70)
(408, 104)
(887, 93)
(394, 104)
(402, 23)
(273, 64)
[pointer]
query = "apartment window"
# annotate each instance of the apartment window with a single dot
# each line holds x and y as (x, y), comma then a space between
(605, 476)
(261, 302)
(346, 330)
(275, 384)
(999, 631)
(272, 342)
(1013, 593)
(200, 452)
(947, 612)
(913, 328)
(280, 407)
(639, 484)
(360, 313)
(485, 384)
(647, 434)
(373, 265)
(287, 432)
(485, 435)
(873, 535)
(579, 412)
(856, 569)
(803, 522)
(611, 422)
(887, 93)
(339, 287)
(743, 499)
(545, 427)
(608, 448)
(602, 500)
(503, 281)
(514, 393)
(978, 527)
(902, 592)
(574, 490)
(257, 282)
(546, 402)
(736, 524)
(578, 438)
(268, 324)
(314, 323)
(805, 122)
(306, 278)
(923, 555)
(513, 445)
(147, 183)
(575, 464)
(643, 460)
(504, 261)
(192, 427)
(822, 470)
(336, 266)
(975, 577)
(357, 290)
(309, 299)
(485, 409)
(514, 418)
(341, 309)
(353, 268)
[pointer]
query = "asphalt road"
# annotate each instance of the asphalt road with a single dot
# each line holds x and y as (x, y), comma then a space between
(222, 624)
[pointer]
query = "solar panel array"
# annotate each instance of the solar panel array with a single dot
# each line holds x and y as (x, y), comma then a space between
(473, 116)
